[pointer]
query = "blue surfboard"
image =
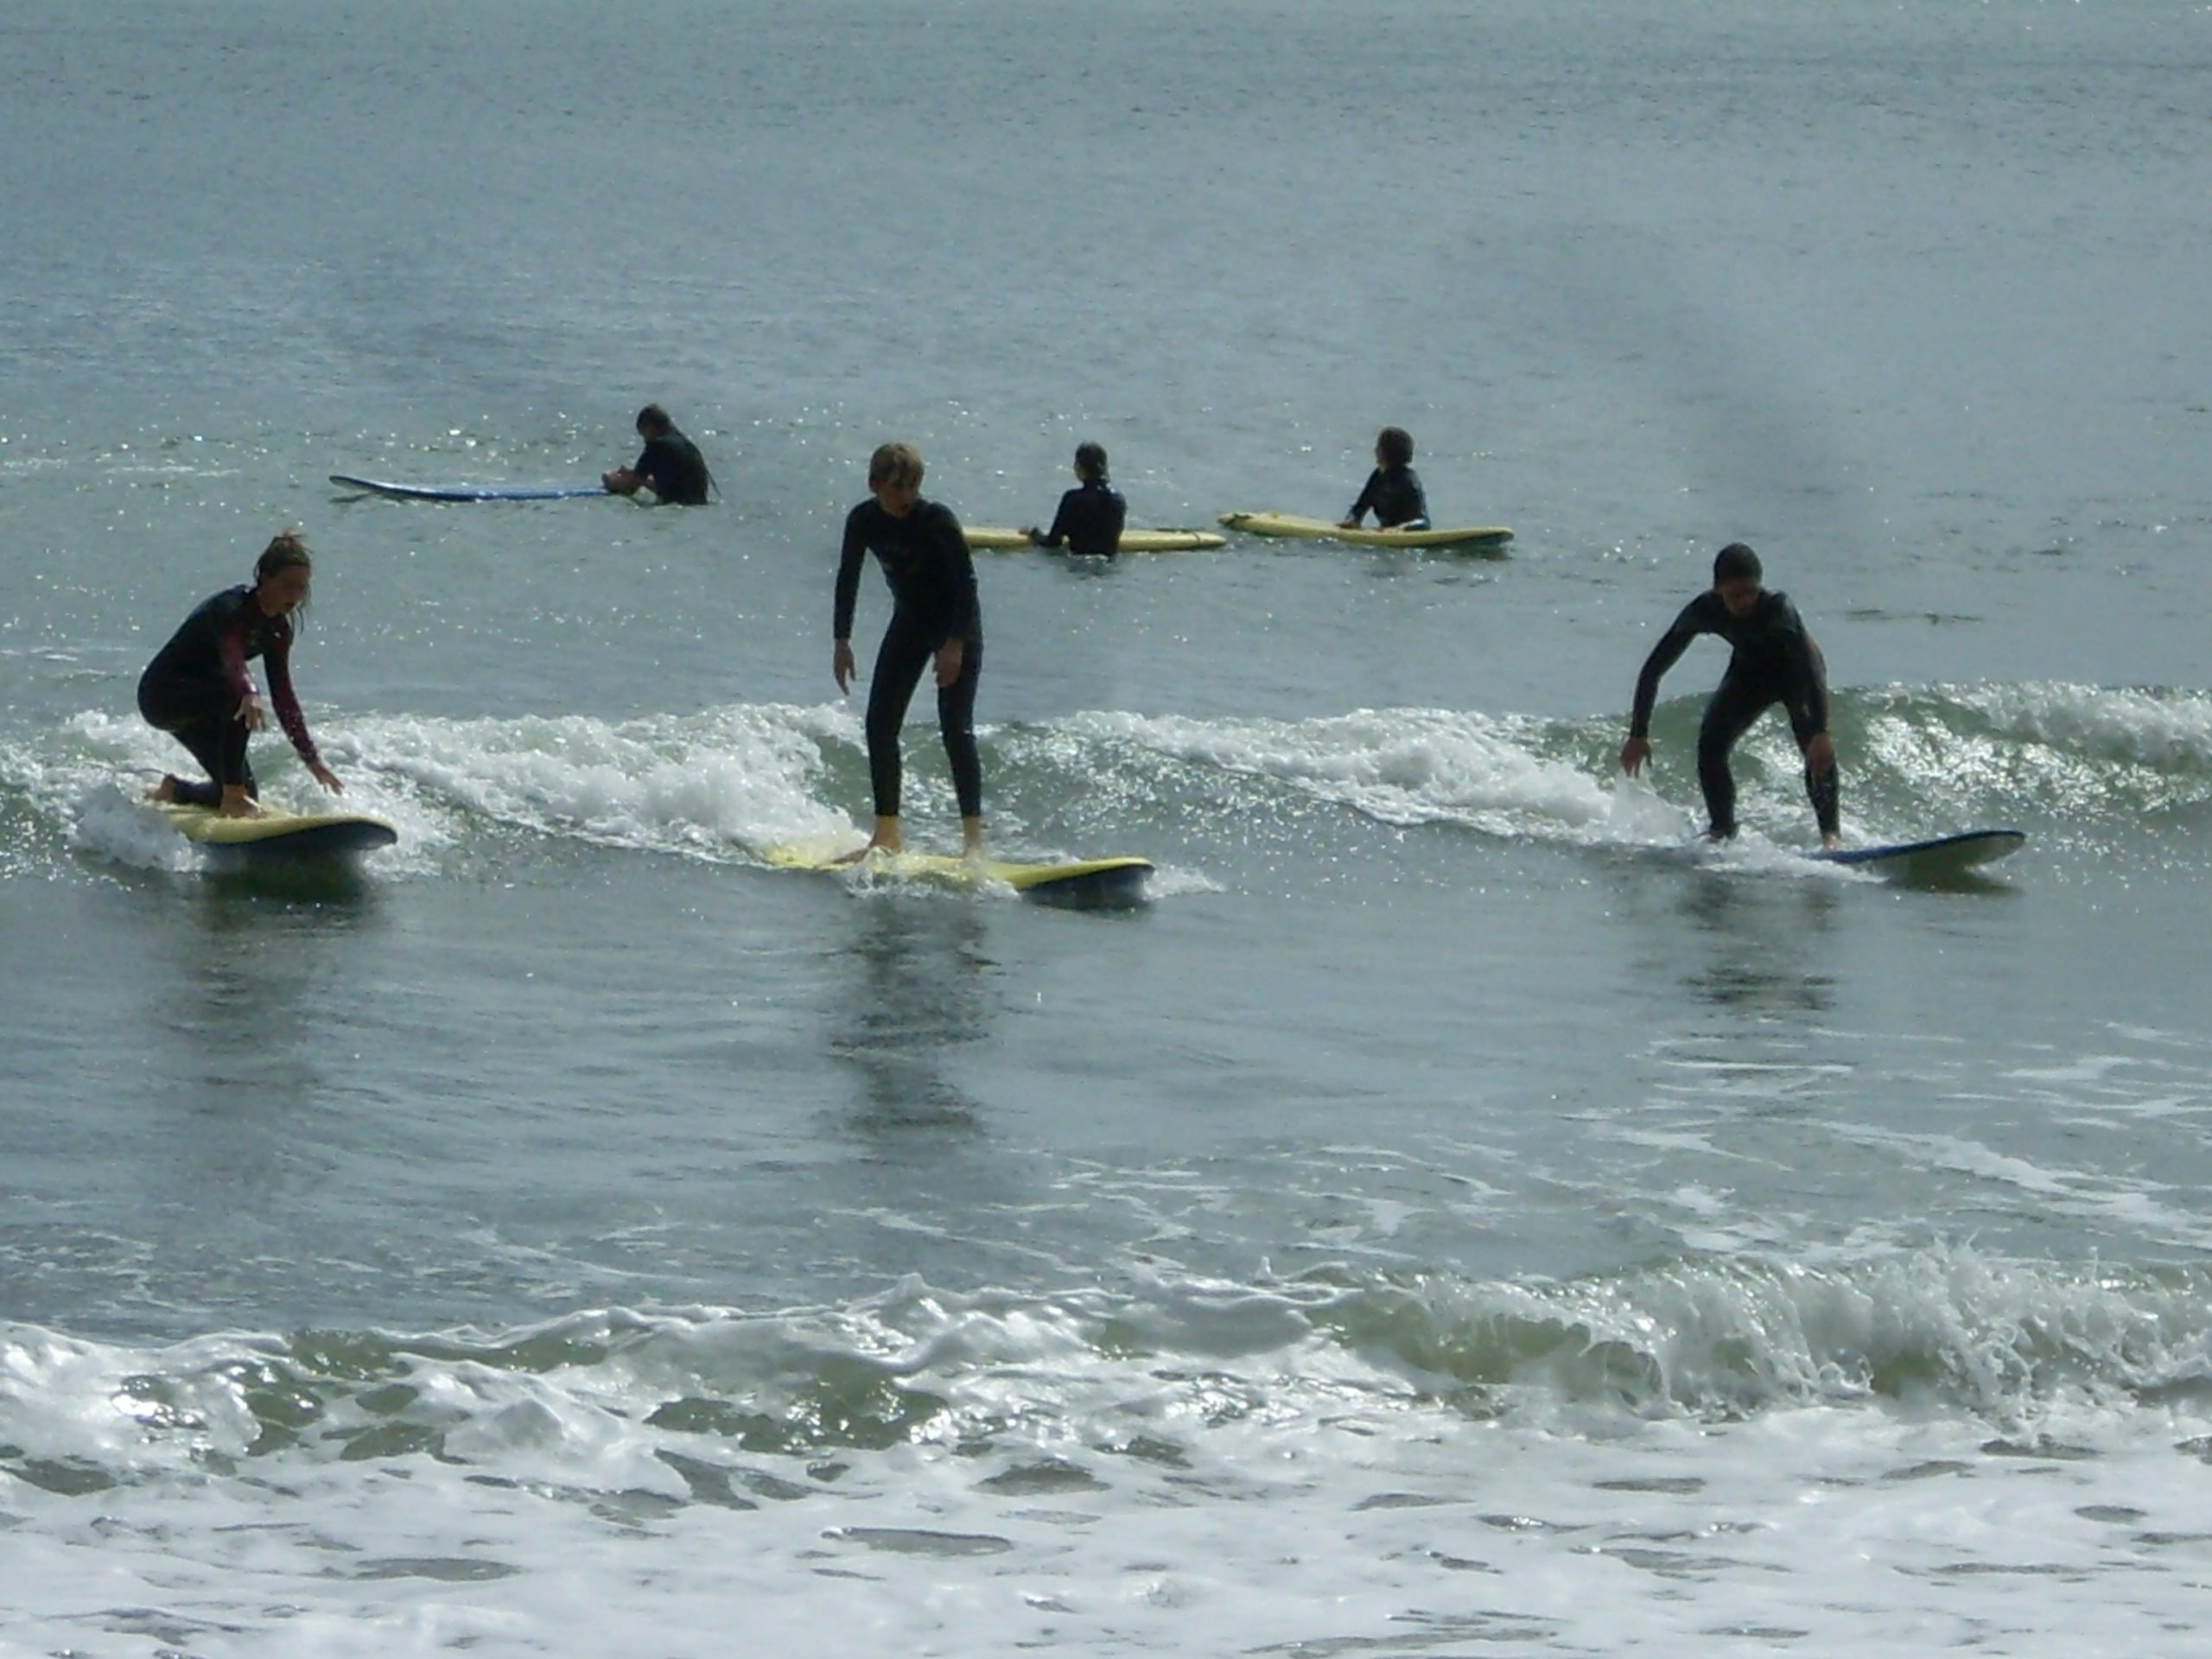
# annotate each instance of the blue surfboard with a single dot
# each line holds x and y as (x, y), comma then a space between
(1929, 860)
(465, 492)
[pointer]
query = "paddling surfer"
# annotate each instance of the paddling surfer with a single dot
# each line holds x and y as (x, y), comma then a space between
(670, 465)
(1393, 494)
(935, 622)
(1775, 660)
(1091, 515)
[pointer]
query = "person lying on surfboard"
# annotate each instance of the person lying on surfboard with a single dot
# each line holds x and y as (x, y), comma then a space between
(936, 620)
(670, 465)
(197, 689)
(1774, 661)
(1392, 492)
(1091, 514)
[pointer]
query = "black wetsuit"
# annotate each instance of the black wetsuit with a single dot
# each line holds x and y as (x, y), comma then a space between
(194, 685)
(1774, 661)
(925, 558)
(1089, 520)
(1395, 496)
(673, 466)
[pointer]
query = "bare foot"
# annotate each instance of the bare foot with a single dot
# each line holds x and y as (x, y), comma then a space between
(164, 792)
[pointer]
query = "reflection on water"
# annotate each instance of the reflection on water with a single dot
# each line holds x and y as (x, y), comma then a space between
(919, 992)
(1756, 949)
(244, 996)
(1735, 940)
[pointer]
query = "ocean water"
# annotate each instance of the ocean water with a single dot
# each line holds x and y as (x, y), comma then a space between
(1454, 1217)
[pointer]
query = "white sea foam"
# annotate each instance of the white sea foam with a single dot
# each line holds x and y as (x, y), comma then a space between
(1207, 1469)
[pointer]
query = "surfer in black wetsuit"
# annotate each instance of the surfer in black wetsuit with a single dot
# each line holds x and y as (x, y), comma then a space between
(1774, 661)
(1091, 514)
(670, 465)
(1393, 492)
(197, 689)
(935, 619)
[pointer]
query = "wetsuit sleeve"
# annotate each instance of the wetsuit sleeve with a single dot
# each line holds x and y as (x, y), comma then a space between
(1808, 669)
(230, 650)
(1664, 655)
(1367, 495)
(848, 575)
(963, 611)
(278, 656)
(1070, 503)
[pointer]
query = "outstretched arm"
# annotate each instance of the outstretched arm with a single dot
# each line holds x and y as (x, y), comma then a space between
(1664, 656)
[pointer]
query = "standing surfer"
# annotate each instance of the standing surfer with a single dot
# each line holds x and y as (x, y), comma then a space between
(197, 688)
(936, 620)
(1774, 661)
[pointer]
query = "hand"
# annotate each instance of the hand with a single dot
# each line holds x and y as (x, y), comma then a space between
(949, 655)
(620, 481)
(326, 777)
(1634, 753)
(841, 664)
(251, 715)
(1820, 755)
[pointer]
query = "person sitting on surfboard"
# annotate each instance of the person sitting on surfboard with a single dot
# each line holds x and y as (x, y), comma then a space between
(1392, 492)
(1774, 661)
(935, 619)
(197, 689)
(1091, 514)
(670, 465)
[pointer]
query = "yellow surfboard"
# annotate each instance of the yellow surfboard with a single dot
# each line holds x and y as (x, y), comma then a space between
(1289, 523)
(995, 539)
(285, 835)
(1097, 883)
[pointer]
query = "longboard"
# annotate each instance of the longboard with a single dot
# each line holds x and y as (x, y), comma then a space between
(1289, 523)
(466, 492)
(993, 538)
(282, 834)
(1097, 883)
(1929, 860)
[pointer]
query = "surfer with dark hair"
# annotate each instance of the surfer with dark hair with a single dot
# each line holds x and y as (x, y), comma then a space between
(1394, 491)
(1775, 660)
(936, 621)
(670, 465)
(1090, 516)
(197, 689)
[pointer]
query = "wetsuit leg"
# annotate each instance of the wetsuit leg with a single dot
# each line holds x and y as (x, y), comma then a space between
(1735, 705)
(956, 718)
(1824, 791)
(898, 665)
(193, 712)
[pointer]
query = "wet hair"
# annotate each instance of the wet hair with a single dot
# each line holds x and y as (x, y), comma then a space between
(1735, 562)
(1396, 445)
(894, 463)
(653, 421)
(287, 550)
(1090, 461)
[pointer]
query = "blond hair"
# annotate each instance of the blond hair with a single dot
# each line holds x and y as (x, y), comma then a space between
(894, 463)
